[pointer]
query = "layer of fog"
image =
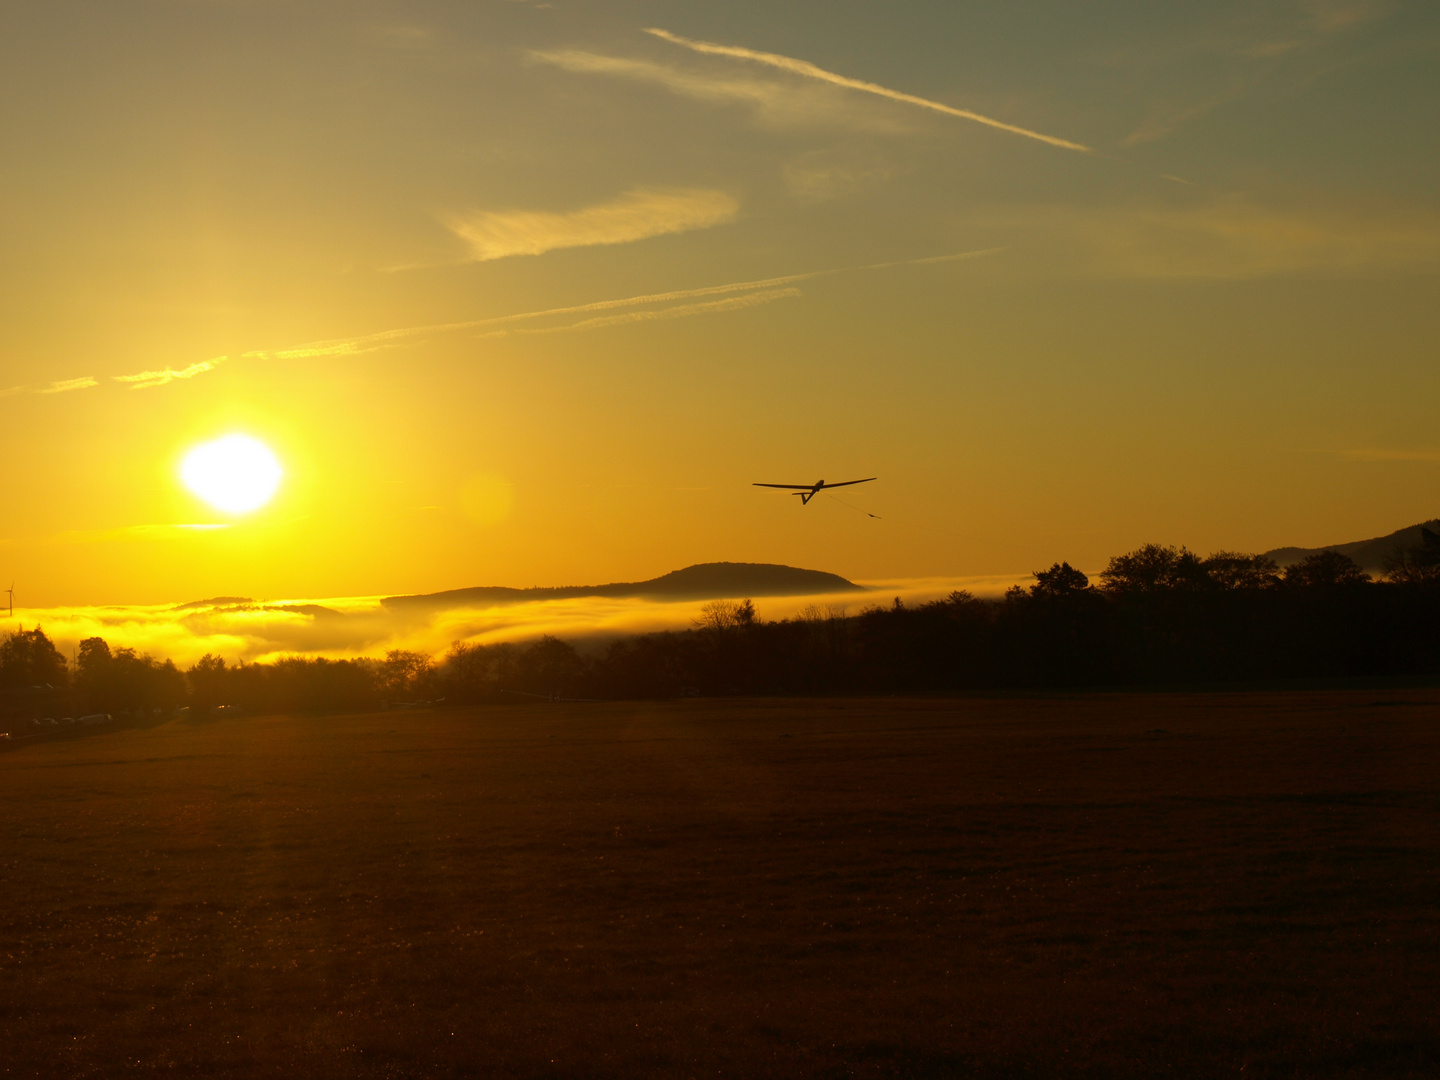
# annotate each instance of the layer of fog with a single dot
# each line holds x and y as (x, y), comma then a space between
(265, 630)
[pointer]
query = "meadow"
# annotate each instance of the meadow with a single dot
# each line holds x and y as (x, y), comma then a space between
(1081, 885)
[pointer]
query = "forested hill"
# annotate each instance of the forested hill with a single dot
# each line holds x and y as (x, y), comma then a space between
(1372, 555)
(704, 581)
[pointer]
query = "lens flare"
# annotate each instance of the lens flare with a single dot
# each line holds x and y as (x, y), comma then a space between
(235, 473)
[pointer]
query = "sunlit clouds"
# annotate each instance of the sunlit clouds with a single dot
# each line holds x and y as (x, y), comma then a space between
(59, 386)
(143, 380)
(808, 70)
(775, 102)
(636, 215)
(66, 385)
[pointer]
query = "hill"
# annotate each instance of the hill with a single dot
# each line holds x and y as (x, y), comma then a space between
(704, 581)
(1371, 555)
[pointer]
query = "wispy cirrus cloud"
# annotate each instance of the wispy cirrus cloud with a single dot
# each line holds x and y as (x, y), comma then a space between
(59, 386)
(807, 70)
(681, 311)
(1229, 53)
(381, 338)
(366, 342)
(1163, 120)
(118, 533)
(1390, 454)
(144, 380)
(1232, 237)
(1330, 16)
(762, 290)
(775, 102)
(64, 386)
(821, 175)
(636, 215)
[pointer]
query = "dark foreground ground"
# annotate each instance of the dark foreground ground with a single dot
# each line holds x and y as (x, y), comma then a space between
(989, 887)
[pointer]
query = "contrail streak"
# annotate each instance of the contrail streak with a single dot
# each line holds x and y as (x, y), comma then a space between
(366, 342)
(342, 346)
(680, 311)
(810, 71)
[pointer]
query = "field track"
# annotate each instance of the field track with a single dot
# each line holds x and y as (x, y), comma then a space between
(1182, 885)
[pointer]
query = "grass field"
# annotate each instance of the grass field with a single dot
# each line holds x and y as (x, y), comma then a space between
(1092, 885)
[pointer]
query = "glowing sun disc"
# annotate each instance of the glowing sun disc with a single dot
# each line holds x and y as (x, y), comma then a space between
(235, 473)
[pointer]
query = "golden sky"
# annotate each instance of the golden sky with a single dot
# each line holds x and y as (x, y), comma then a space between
(531, 294)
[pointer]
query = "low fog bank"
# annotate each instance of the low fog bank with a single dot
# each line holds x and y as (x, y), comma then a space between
(345, 627)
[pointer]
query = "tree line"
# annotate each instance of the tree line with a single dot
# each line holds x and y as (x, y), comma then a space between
(1158, 614)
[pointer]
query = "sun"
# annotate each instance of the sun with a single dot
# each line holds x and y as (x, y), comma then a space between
(234, 473)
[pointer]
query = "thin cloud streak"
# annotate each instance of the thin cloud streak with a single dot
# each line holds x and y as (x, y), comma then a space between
(369, 342)
(933, 260)
(775, 102)
(143, 380)
(636, 215)
(120, 533)
(682, 82)
(1381, 454)
(811, 71)
(343, 346)
(61, 386)
(733, 303)
(1232, 237)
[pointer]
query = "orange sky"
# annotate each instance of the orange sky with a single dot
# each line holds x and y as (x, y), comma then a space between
(1196, 303)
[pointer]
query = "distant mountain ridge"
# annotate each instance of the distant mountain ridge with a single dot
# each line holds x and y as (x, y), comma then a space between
(214, 601)
(704, 581)
(1371, 555)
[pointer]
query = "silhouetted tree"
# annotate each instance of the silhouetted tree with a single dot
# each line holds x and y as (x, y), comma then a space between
(548, 666)
(1325, 569)
(1153, 568)
(1418, 565)
(469, 672)
(304, 683)
(29, 658)
(1236, 570)
(140, 682)
(404, 673)
(720, 616)
(93, 662)
(208, 682)
(1061, 580)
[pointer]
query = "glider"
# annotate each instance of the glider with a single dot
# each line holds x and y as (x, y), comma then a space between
(809, 491)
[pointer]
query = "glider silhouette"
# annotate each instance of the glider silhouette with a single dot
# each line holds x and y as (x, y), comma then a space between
(809, 491)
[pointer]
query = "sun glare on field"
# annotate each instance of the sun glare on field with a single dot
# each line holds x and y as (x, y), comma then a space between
(235, 474)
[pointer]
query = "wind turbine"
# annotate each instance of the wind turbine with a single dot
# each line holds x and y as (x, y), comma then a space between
(11, 592)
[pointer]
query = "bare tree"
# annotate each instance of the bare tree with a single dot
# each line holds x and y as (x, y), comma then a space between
(723, 616)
